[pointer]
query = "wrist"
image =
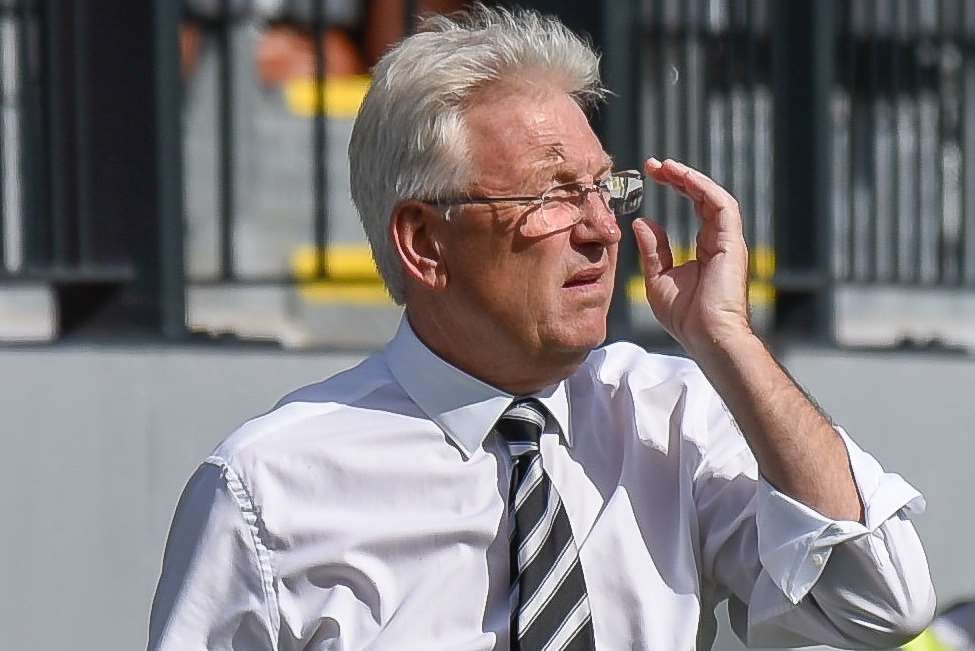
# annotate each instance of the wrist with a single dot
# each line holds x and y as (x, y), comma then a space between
(721, 343)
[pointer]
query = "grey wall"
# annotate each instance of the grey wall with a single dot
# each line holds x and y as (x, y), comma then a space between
(97, 443)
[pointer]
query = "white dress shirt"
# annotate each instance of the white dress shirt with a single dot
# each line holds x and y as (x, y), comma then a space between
(368, 512)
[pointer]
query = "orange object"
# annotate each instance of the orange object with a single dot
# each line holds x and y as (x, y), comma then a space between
(189, 47)
(286, 52)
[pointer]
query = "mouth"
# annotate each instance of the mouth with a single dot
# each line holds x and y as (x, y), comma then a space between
(586, 277)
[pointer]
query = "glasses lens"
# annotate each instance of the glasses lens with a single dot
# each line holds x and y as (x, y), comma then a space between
(562, 206)
(626, 192)
(557, 210)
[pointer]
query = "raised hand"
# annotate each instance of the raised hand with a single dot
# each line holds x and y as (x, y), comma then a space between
(703, 302)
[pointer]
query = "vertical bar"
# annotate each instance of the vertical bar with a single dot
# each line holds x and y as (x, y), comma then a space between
(841, 111)
(916, 92)
(673, 215)
(940, 239)
(657, 103)
(803, 68)
(650, 117)
(730, 180)
(968, 146)
(915, 208)
(883, 142)
(169, 168)
(858, 134)
(678, 26)
(226, 145)
(319, 145)
(929, 147)
(410, 14)
(57, 35)
(862, 132)
(748, 189)
(857, 207)
(865, 238)
(702, 75)
(691, 80)
(761, 126)
(621, 28)
(901, 45)
(6, 14)
(82, 206)
(948, 248)
(131, 70)
(716, 84)
(29, 111)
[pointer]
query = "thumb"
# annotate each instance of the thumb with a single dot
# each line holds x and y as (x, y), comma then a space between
(654, 247)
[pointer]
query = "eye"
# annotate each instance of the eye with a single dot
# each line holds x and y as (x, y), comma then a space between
(565, 192)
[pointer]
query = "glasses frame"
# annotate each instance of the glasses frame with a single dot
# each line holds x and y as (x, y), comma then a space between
(540, 200)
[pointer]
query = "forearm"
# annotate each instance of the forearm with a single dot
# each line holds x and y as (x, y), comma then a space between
(797, 449)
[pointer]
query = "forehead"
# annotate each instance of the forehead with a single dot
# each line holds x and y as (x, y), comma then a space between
(523, 134)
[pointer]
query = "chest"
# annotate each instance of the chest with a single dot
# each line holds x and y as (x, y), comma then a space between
(416, 554)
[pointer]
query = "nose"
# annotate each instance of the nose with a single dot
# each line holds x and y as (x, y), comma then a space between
(597, 222)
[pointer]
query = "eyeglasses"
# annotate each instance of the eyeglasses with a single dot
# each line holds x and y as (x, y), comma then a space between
(560, 207)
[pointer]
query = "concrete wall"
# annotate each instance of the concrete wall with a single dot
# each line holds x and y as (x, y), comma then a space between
(97, 443)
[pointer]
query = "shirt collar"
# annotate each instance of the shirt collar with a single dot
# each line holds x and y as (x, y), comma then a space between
(464, 407)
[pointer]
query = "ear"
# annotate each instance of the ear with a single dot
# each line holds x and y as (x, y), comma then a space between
(416, 229)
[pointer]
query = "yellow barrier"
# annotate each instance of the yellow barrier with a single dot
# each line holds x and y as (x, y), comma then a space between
(352, 276)
(340, 96)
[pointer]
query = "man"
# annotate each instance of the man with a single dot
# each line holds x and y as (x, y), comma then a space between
(492, 479)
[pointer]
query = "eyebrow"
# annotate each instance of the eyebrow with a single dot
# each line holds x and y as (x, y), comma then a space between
(606, 164)
(552, 166)
(549, 164)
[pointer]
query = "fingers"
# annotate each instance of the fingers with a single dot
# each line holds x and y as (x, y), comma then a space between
(654, 247)
(711, 201)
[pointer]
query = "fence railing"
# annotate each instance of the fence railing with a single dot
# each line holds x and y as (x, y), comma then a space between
(903, 129)
(708, 100)
(87, 203)
(904, 143)
(265, 185)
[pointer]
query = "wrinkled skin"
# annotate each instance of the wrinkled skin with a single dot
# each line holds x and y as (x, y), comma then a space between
(509, 309)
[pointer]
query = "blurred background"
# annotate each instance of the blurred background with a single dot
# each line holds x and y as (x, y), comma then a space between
(178, 247)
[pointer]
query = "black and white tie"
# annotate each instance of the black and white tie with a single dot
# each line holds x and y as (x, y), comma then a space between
(549, 604)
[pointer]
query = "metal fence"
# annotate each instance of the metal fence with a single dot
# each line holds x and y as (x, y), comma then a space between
(902, 180)
(23, 197)
(707, 99)
(904, 143)
(899, 193)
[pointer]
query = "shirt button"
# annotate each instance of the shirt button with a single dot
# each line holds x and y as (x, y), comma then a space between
(819, 559)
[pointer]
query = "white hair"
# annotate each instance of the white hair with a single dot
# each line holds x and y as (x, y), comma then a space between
(409, 139)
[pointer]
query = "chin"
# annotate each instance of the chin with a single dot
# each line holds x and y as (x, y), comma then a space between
(580, 337)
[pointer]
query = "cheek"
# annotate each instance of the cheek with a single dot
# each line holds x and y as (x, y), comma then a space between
(514, 283)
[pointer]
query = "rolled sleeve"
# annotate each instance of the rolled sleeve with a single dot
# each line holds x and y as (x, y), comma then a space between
(845, 584)
(795, 542)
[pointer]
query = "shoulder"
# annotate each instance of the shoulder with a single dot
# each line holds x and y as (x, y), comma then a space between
(656, 392)
(313, 418)
(624, 363)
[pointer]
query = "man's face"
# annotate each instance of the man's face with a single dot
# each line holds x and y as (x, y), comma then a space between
(544, 296)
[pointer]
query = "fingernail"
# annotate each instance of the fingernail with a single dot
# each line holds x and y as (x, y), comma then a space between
(655, 163)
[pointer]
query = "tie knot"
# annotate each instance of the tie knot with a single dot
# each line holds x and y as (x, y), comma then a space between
(521, 425)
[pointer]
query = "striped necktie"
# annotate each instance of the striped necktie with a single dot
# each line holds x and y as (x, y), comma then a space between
(549, 604)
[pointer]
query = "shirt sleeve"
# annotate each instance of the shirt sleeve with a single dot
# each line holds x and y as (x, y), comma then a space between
(215, 589)
(795, 577)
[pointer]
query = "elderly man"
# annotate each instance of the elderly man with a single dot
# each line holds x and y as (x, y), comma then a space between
(492, 479)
